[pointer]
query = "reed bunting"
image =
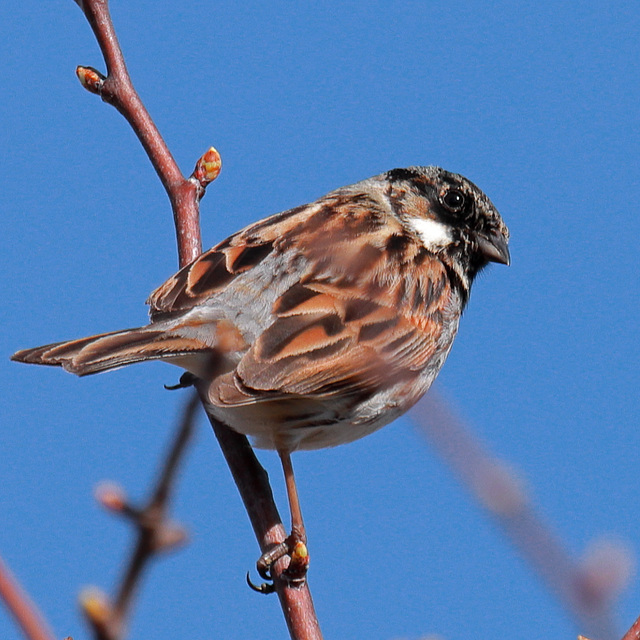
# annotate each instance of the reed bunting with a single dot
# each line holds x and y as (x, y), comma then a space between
(318, 325)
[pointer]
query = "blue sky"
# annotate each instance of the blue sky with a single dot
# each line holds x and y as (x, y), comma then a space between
(537, 103)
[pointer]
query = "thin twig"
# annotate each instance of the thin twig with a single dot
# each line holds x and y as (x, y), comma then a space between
(25, 613)
(116, 88)
(498, 489)
(155, 533)
(634, 632)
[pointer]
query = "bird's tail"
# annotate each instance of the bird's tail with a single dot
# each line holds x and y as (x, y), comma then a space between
(111, 350)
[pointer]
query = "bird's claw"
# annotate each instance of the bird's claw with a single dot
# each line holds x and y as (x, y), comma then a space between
(294, 574)
(266, 587)
(187, 379)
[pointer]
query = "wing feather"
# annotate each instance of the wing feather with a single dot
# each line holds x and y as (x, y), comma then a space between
(338, 343)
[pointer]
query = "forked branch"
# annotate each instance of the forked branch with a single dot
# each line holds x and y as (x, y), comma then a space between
(117, 89)
(155, 534)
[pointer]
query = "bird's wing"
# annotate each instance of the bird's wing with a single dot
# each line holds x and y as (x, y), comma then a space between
(336, 339)
(358, 304)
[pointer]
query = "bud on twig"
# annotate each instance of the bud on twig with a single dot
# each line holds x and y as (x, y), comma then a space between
(111, 496)
(605, 570)
(169, 537)
(91, 79)
(207, 168)
(96, 606)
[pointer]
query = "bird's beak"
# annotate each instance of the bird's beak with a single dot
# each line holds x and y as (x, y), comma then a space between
(494, 248)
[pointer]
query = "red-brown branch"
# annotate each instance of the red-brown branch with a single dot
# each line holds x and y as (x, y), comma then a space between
(118, 90)
(634, 632)
(184, 195)
(253, 484)
(21, 608)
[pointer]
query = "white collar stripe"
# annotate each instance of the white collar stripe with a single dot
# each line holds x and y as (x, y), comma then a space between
(434, 234)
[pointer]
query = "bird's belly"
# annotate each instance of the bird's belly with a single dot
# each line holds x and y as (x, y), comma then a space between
(294, 423)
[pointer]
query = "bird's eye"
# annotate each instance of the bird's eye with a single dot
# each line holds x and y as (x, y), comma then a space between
(453, 200)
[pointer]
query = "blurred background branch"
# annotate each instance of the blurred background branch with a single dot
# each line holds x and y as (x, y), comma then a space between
(589, 587)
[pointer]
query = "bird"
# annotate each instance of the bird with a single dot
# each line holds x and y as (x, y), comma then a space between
(318, 325)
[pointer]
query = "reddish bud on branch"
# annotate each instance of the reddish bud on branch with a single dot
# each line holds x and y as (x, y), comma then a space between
(169, 537)
(96, 607)
(604, 571)
(91, 79)
(111, 496)
(207, 168)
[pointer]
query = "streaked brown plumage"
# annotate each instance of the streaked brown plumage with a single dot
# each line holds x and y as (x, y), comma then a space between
(320, 324)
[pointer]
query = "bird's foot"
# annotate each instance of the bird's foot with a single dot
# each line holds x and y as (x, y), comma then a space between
(187, 379)
(295, 574)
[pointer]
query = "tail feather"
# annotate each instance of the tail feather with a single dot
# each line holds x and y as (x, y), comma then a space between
(110, 350)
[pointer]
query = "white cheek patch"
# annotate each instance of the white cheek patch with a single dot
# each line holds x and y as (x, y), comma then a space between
(434, 234)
